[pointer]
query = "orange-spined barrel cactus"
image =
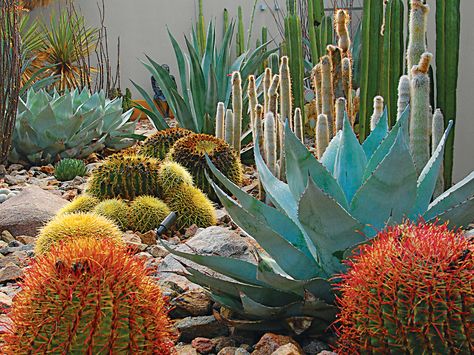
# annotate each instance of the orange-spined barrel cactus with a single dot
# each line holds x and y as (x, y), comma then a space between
(409, 292)
(88, 297)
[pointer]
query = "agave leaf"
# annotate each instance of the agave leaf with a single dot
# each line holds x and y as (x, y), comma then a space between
(237, 269)
(331, 228)
(264, 213)
(455, 205)
(329, 157)
(181, 65)
(390, 192)
(197, 84)
(300, 164)
(428, 177)
(350, 161)
(209, 56)
(290, 259)
(384, 147)
(211, 99)
(376, 137)
(264, 295)
(223, 64)
(154, 115)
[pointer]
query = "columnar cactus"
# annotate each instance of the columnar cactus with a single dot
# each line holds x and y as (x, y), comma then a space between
(267, 82)
(229, 127)
(420, 109)
(270, 142)
(378, 112)
(237, 109)
(403, 95)
(253, 102)
(322, 135)
(298, 129)
(409, 292)
(317, 87)
(286, 98)
(340, 110)
(417, 29)
(347, 84)
(88, 297)
(220, 120)
(327, 100)
(341, 22)
(273, 95)
(335, 56)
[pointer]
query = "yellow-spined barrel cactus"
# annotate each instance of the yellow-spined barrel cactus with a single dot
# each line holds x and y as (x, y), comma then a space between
(88, 297)
(191, 152)
(64, 228)
(159, 144)
(410, 292)
(191, 206)
(172, 175)
(70, 125)
(82, 203)
(146, 213)
(116, 210)
(125, 176)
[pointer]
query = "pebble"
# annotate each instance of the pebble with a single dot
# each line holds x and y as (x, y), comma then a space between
(204, 326)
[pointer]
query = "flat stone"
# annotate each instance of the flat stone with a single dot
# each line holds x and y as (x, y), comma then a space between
(148, 238)
(157, 251)
(25, 239)
(185, 350)
(313, 346)
(26, 212)
(203, 345)
(326, 352)
(191, 303)
(204, 326)
(231, 350)
(6, 237)
(288, 349)
(10, 272)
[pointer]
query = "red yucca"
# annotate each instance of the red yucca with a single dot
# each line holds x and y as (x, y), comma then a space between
(88, 297)
(409, 292)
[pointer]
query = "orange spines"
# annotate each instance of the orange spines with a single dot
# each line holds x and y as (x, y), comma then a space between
(88, 297)
(410, 291)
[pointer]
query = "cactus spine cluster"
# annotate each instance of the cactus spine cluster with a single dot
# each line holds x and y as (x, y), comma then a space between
(68, 169)
(146, 213)
(115, 210)
(88, 296)
(417, 29)
(322, 134)
(403, 95)
(410, 291)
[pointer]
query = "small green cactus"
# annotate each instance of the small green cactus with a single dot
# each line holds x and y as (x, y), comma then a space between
(146, 213)
(68, 169)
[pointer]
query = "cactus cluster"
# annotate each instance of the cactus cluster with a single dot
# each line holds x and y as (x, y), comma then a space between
(68, 169)
(146, 213)
(410, 291)
(82, 203)
(191, 151)
(115, 210)
(67, 227)
(88, 296)
(159, 143)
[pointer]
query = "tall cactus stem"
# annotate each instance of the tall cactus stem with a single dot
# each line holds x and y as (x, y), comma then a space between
(237, 109)
(341, 20)
(253, 102)
(420, 103)
(417, 33)
(322, 135)
(269, 137)
(336, 68)
(403, 95)
(286, 98)
(340, 109)
(220, 120)
(327, 100)
(267, 81)
(437, 134)
(317, 88)
(273, 94)
(299, 124)
(229, 127)
(377, 113)
(347, 85)
(259, 124)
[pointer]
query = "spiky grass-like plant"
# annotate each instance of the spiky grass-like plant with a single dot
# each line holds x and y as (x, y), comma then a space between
(411, 292)
(88, 297)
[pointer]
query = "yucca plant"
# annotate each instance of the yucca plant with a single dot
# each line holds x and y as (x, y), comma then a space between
(324, 210)
(203, 79)
(72, 125)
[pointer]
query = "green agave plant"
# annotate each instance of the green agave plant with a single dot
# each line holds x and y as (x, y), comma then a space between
(72, 125)
(326, 209)
(204, 80)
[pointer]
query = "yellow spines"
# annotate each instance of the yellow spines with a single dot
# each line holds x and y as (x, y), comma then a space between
(82, 203)
(146, 213)
(172, 175)
(341, 22)
(115, 210)
(327, 100)
(273, 95)
(237, 109)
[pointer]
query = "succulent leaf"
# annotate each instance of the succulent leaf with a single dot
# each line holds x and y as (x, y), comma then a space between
(376, 137)
(329, 157)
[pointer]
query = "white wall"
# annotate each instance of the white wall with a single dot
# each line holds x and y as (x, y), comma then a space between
(141, 25)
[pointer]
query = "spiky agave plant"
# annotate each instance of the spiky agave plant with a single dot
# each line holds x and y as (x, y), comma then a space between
(88, 297)
(409, 292)
(325, 210)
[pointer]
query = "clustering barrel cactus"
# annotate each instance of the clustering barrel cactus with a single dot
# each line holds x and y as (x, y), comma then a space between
(146, 213)
(114, 209)
(72, 125)
(68, 169)
(324, 210)
(82, 203)
(72, 226)
(125, 176)
(190, 152)
(159, 144)
(88, 297)
(409, 292)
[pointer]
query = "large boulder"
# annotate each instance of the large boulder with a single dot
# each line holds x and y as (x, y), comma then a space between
(26, 212)
(210, 241)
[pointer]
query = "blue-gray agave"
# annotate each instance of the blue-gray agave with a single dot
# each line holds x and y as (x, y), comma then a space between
(72, 125)
(325, 210)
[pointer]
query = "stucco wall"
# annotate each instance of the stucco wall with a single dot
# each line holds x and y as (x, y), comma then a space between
(141, 25)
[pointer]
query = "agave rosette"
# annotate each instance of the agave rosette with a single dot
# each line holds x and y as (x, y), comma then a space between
(325, 210)
(72, 125)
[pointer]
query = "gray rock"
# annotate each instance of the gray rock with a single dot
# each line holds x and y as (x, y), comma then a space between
(10, 272)
(3, 198)
(14, 167)
(29, 210)
(315, 346)
(205, 326)
(191, 303)
(210, 241)
(7, 237)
